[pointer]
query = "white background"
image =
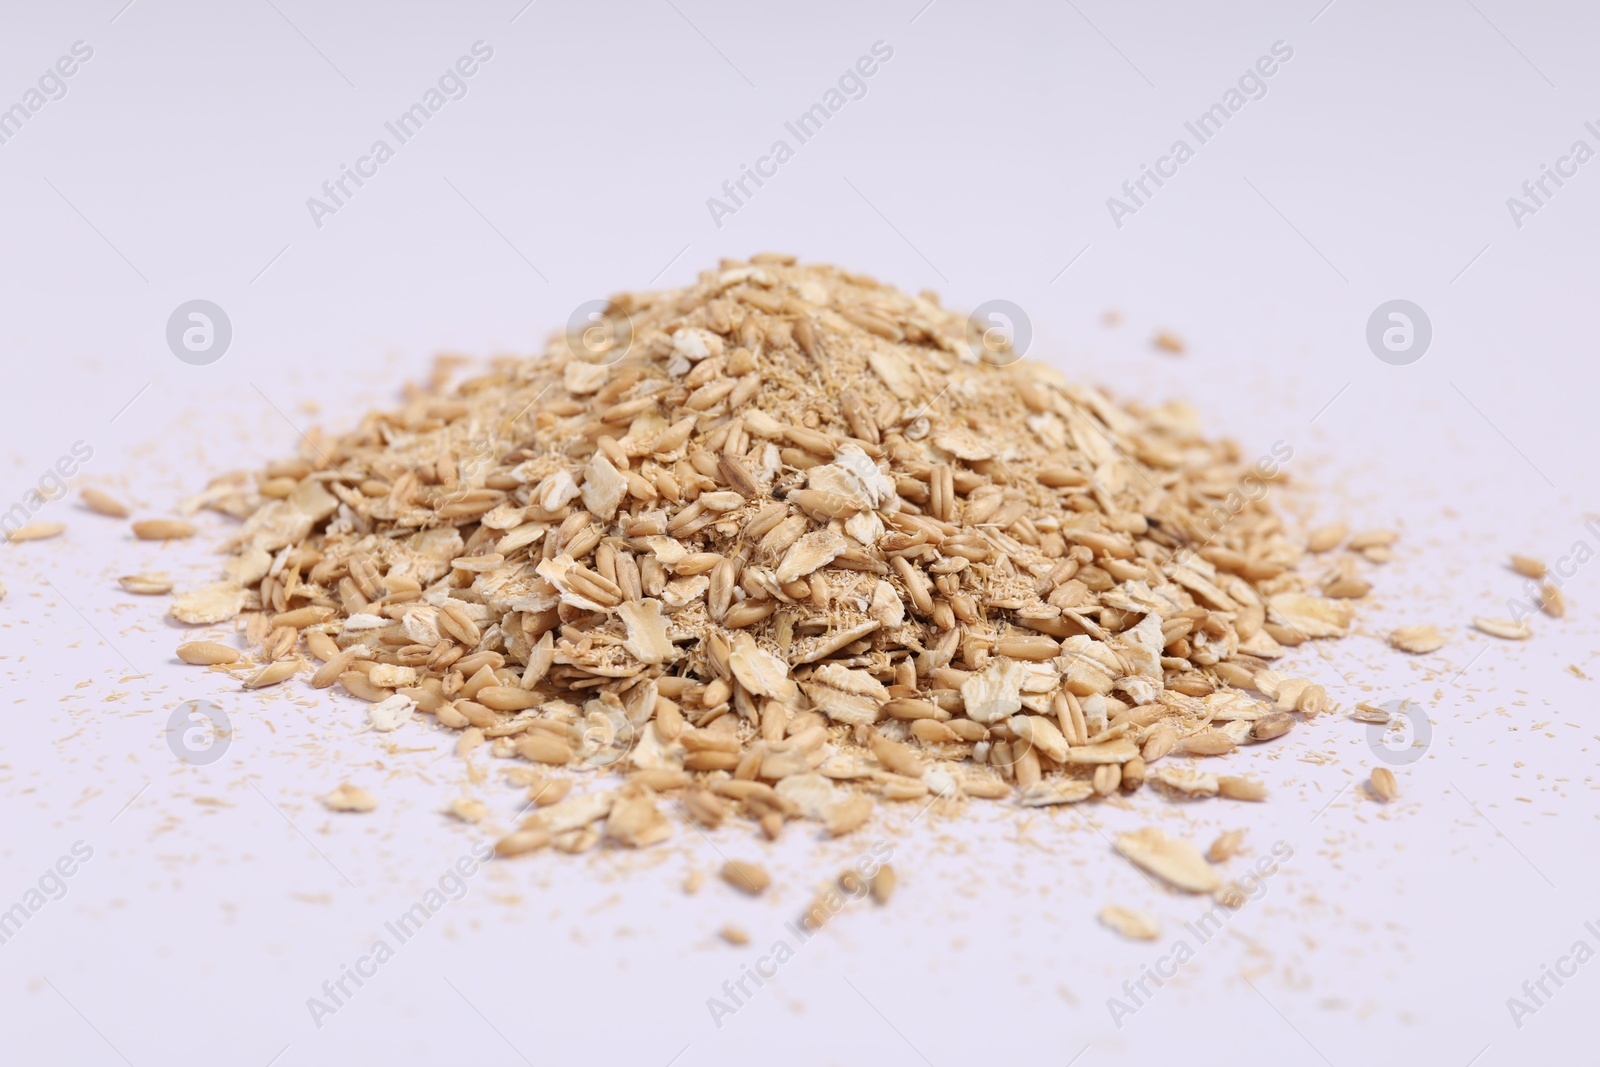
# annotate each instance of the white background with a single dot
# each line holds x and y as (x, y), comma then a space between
(978, 164)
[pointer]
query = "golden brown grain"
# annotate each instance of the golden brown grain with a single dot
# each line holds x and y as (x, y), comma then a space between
(350, 798)
(273, 674)
(1528, 567)
(746, 877)
(206, 653)
(102, 503)
(162, 530)
(883, 883)
(146, 584)
(36, 531)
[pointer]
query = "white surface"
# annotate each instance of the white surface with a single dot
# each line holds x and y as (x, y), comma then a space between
(1376, 167)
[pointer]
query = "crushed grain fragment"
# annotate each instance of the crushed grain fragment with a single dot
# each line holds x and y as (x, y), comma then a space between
(1131, 922)
(1236, 788)
(521, 842)
(1169, 858)
(469, 809)
(1370, 713)
(1226, 846)
(347, 797)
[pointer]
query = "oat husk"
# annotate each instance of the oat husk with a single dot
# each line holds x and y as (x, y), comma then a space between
(797, 548)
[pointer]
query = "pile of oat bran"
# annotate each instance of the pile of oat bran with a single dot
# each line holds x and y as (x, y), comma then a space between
(786, 543)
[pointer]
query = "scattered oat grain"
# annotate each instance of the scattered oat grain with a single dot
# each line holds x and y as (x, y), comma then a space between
(746, 877)
(1528, 566)
(1131, 922)
(347, 797)
(1167, 341)
(206, 653)
(1503, 628)
(1417, 639)
(102, 503)
(162, 530)
(146, 584)
(36, 531)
